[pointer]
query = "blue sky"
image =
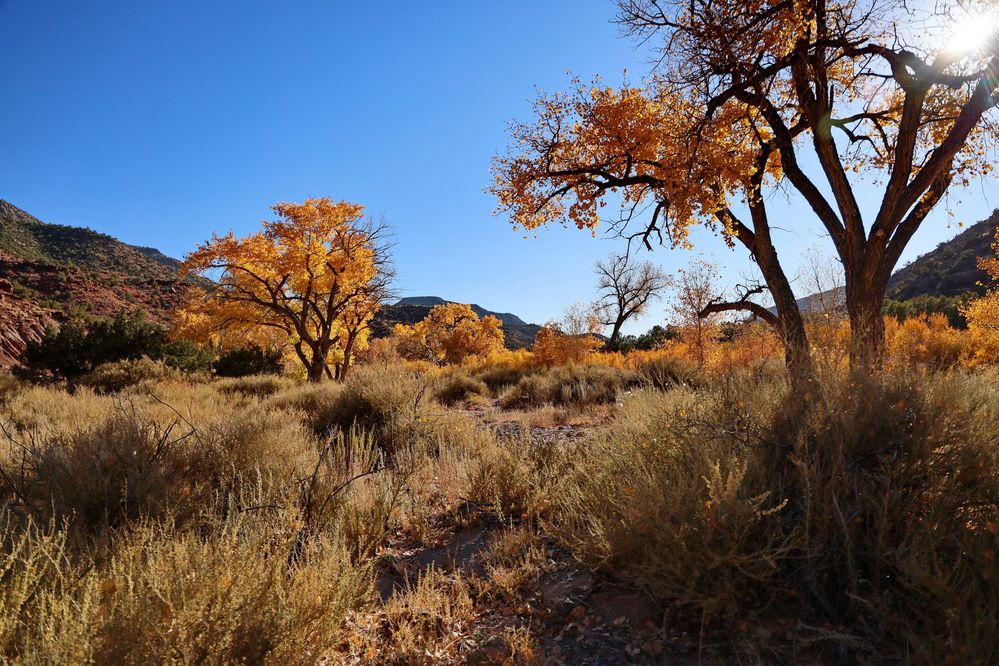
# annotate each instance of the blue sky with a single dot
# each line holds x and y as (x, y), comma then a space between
(161, 121)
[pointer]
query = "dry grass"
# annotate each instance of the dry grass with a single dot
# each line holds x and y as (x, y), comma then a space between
(866, 517)
(242, 520)
(248, 591)
(576, 385)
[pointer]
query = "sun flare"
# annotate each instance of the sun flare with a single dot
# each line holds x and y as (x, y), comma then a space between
(972, 33)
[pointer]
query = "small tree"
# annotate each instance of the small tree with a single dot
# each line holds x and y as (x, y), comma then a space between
(300, 275)
(696, 294)
(450, 333)
(626, 289)
(569, 340)
(983, 312)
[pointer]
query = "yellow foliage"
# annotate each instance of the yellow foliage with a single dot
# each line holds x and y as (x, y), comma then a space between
(449, 334)
(311, 280)
(553, 347)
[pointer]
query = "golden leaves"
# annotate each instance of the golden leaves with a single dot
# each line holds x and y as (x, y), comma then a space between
(450, 333)
(308, 276)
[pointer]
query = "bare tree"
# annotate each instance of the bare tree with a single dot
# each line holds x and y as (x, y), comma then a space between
(822, 277)
(626, 289)
(697, 301)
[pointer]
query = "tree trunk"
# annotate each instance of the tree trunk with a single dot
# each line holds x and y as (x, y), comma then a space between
(317, 368)
(867, 327)
(790, 324)
(797, 355)
(344, 367)
(614, 342)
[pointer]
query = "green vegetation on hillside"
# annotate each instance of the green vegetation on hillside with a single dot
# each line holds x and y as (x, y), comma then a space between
(949, 270)
(24, 237)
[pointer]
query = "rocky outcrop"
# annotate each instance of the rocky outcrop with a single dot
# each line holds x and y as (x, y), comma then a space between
(21, 322)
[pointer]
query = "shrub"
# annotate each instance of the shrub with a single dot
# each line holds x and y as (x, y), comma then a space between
(391, 403)
(663, 373)
(257, 386)
(577, 385)
(127, 466)
(10, 386)
(247, 592)
(188, 356)
(516, 476)
(244, 361)
(78, 347)
(113, 377)
(459, 387)
(502, 377)
(870, 509)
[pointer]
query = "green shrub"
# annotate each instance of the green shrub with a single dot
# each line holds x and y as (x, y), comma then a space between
(79, 347)
(252, 360)
(188, 356)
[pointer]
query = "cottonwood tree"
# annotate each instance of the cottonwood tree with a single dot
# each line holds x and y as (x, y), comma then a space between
(752, 96)
(570, 339)
(450, 333)
(983, 312)
(316, 275)
(626, 288)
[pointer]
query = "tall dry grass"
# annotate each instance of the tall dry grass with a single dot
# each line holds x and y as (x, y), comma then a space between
(862, 515)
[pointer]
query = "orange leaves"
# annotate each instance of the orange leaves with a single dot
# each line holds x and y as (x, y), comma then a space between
(553, 347)
(449, 334)
(983, 313)
(637, 145)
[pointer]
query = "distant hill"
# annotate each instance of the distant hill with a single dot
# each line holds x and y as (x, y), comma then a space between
(409, 310)
(50, 272)
(951, 269)
(24, 237)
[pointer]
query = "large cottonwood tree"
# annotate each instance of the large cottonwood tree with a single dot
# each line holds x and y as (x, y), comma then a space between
(316, 276)
(820, 97)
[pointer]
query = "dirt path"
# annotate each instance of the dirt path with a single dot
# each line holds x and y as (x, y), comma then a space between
(531, 602)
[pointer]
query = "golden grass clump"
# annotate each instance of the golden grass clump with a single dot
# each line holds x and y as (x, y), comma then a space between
(247, 592)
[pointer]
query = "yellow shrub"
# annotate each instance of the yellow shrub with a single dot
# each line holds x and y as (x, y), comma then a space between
(552, 347)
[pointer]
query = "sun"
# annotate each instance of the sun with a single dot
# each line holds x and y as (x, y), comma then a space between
(971, 33)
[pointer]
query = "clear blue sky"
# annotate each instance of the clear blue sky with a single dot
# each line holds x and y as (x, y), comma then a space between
(160, 121)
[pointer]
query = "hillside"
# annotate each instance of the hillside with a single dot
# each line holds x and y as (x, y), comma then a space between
(24, 237)
(951, 269)
(50, 272)
(409, 310)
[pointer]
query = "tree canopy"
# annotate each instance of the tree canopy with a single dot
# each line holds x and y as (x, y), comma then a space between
(450, 333)
(315, 277)
(754, 96)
